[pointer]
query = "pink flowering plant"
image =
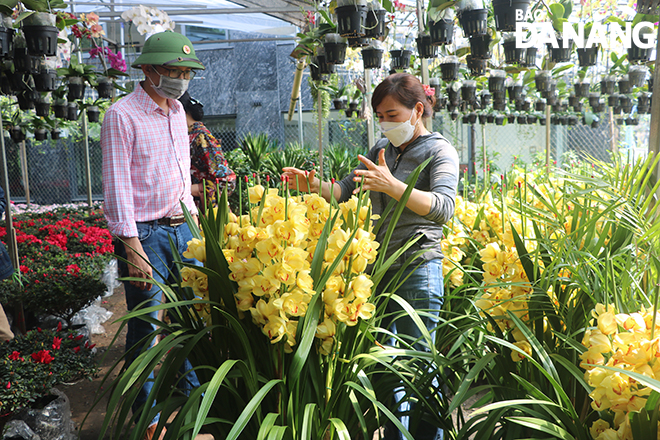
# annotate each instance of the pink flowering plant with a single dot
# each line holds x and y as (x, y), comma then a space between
(62, 257)
(31, 364)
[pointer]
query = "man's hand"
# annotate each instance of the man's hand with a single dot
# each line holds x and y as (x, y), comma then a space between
(138, 262)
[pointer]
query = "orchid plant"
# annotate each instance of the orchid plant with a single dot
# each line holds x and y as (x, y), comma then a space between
(148, 20)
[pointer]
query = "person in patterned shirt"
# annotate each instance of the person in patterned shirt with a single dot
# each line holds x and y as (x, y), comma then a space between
(208, 165)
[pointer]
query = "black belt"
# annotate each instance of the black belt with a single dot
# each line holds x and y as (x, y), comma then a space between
(171, 221)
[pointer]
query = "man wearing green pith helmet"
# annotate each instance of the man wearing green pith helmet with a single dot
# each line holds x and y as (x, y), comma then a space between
(146, 177)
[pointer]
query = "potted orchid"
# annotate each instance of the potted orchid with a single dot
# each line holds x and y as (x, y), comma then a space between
(148, 20)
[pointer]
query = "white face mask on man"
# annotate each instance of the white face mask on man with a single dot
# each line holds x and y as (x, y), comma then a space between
(399, 133)
(172, 88)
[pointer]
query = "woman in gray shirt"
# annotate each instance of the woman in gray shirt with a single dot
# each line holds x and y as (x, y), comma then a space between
(401, 103)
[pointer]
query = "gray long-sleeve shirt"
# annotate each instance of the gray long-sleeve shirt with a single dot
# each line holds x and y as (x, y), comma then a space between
(440, 178)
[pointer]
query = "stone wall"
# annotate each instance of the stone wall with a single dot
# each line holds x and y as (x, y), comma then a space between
(250, 81)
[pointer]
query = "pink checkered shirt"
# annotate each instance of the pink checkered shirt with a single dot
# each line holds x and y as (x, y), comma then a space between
(146, 162)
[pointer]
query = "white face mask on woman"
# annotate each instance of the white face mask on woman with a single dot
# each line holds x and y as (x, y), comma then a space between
(399, 132)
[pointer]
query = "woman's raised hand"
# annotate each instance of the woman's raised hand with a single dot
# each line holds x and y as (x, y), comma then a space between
(375, 177)
(301, 180)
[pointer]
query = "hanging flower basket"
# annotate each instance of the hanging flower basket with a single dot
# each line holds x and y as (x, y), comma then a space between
(490, 118)
(572, 120)
(499, 104)
(17, 134)
(425, 48)
(372, 57)
(577, 108)
(638, 54)
(542, 80)
(560, 54)
(55, 134)
(60, 108)
(72, 111)
(40, 134)
(581, 89)
(496, 81)
(27, 98)
(506, 11)
(530, 57)
(613, 100)
(514, 92)
(41, 40)
(573, 100)
(24, 62)
(607, 84)
(587, 57)
(472, 117)
(375, 23)
(45, 80)
(400, 59)
(512, 54)
(499, 120)
(453, 93)
(644, 102)
(522, 119)
(474, 22)
(450, 69)
(626, 103)
(76, 88)
(499, 95)
(93, 113)
(469, 91)
(532, 119)
(542, 120)
(351, 20)
(624, 84)
(539, 105)
(594, 99)
(6, 43)
(477, 67)
(19, 81)
(442, 32)
(335, 48)
(637, 75)
(42, 107)
(355, 42)
(104, 87)
(480, 46)
(483, 118)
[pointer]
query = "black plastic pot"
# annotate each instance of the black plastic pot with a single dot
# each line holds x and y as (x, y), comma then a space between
(506, 12)
(325, 68)
(539, 106)
(616, 110)
(355, 42)
(560, 54)
(511, 118)
(474, 22)
(472, 117)
(595, 123)
(577, 108)
(93, 114)
(499, 95)
(425, 48)
(45, 80)
(624, 86)
(16, 134)
(562, 120)
(76, 91)
(40, 134)
(499, 120)
(594, 99)
(587, 57)
(453, 96)
(514, 92)
(400, 59)
(469, 93)
(613, 100)
(6, 43)
(607, 86)
(442, 32)
(18, 81)
(480, 47)
(542, 83)
(72, 111)
(643, 102)
(351, 20)
(24, 62)
(572, 120)
(440, 103)
(490, 118)
(449, 71)
(551, 98)
(513, 55)
(335, 53)
(486, 99)
(495, 83)
(477, 66)
(626, 103)
(532, 119)
(620, 121)
(59, 110)
(375, 25)
(637, 54)
(339, 104)
(581, 89)
(105, 89)
(530, 57)
(349, 113)
(636, 77)
(464, 119)
(522, 119)
(55, 134)
(573, 100)
(42, 108)
(372, 58)
(41, 40)
(26, 99)
(499, 104)
(632, 121)
(453, 115)
(542, 120)
(482, 119)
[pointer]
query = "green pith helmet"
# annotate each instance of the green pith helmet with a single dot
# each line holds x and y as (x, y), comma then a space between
(169, 49)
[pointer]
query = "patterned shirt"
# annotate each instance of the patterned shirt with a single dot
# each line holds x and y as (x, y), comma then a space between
(146, 162)
(207, 160)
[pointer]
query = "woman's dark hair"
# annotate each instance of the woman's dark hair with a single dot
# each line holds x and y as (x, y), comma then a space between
(406, 89)
(193, 107)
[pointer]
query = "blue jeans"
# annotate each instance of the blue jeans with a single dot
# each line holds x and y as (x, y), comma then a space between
(155, 241)
(423, 289)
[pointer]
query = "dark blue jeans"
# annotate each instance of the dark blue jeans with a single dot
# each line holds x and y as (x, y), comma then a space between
(155, 241)
(423, 289)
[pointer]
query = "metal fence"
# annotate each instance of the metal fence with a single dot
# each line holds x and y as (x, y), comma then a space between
(51, 171)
